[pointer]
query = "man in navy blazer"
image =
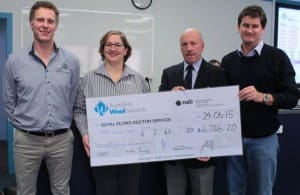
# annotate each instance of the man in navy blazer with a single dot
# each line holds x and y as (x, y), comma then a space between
(197, 174)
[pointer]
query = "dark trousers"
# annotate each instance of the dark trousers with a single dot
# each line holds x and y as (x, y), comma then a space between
(117, 180)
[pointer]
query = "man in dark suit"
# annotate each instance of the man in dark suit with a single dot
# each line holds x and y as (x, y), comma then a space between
(198, 173)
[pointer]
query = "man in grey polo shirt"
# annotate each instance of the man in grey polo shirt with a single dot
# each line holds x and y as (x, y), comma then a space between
(40, 86)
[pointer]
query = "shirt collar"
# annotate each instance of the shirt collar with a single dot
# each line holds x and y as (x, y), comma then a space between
(32, 52)
(101, 70)
(196, 65)
(253, 52)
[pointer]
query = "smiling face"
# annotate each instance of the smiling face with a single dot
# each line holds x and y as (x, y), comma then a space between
(114, 50)
(43, 25)
(191, 45)
(251, 31)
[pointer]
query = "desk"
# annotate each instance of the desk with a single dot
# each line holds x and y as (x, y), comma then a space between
(287, 181)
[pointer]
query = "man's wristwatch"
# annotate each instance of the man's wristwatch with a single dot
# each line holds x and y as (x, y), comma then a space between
(265, 98)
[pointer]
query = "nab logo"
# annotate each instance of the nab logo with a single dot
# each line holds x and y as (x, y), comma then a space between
(183, 102)
(101, 108)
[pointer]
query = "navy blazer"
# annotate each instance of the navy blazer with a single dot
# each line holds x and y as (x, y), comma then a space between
(208, 76)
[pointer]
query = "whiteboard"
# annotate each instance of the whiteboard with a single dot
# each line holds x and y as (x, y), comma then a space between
(80, 32)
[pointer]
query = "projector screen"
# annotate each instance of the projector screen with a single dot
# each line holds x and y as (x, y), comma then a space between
(287, 33)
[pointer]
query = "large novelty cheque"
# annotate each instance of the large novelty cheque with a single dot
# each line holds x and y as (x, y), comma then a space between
(164, 126)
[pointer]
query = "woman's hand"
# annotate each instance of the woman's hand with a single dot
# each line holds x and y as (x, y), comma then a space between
(86, 144)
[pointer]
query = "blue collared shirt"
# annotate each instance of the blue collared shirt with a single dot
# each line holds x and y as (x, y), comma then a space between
(196, 67)
(38, 97)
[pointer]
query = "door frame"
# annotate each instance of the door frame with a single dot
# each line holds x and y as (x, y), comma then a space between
(8, 17)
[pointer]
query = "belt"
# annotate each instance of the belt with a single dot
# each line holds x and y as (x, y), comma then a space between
(45, 133)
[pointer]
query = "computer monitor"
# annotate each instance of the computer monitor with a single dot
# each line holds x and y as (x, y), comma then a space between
(287, 33)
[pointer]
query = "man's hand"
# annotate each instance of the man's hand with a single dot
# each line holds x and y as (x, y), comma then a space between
(251, 94)
(203, 159)
(178, 88)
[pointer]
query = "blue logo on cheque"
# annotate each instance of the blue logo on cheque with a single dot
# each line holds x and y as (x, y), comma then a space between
(101, 108)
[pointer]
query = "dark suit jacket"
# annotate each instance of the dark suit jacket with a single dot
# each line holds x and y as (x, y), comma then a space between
(208, 76)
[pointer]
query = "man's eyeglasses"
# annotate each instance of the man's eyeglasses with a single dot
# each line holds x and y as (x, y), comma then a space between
(116, 45)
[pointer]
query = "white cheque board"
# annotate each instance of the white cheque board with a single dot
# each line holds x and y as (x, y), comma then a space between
(164, 126)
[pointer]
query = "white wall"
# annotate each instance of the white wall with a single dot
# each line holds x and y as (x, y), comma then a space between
(217, 20)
